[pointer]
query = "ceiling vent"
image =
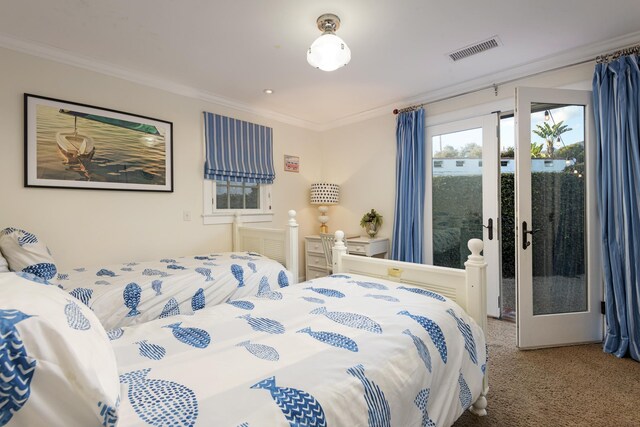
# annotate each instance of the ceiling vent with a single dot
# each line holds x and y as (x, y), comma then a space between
(479, 47)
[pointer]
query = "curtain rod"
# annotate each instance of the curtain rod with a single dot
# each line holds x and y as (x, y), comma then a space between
(634, 50)
(601, 58)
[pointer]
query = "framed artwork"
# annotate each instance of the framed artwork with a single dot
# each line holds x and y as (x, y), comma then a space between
(71, 145)
(291, 163)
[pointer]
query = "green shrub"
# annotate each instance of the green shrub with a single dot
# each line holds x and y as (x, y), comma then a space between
(557, 212)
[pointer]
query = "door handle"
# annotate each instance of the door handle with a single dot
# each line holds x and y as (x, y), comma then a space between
(489, 228)
(525, 240)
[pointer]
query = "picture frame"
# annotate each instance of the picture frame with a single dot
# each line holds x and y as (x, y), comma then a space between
(291, 163)
(79, 146)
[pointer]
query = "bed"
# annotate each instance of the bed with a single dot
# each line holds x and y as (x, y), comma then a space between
(135, 292)
(378, 343)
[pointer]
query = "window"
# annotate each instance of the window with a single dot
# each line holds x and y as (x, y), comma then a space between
(238, 170)
(437, 163)
(224, 199)
(237, 195)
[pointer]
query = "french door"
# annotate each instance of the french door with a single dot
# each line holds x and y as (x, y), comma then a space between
(462, 196)
(559, 285)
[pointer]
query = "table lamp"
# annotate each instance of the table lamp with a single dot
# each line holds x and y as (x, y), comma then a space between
(324, 194)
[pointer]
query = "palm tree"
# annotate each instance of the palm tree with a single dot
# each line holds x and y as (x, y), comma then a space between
(551, 133)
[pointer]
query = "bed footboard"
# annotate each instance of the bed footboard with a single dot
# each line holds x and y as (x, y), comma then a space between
(466, 287)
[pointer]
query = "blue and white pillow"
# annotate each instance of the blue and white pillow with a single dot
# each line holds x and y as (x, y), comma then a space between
(4, 265)
(56, 361)
(25, 252)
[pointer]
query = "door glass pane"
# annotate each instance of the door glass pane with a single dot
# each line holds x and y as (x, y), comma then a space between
(558, 208)
(457, 195)
(507, 218)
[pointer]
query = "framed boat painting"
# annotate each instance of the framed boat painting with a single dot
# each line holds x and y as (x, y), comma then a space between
(71, 145)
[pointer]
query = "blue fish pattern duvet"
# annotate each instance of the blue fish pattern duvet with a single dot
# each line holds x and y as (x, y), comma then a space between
(136, 292)
(290, 361)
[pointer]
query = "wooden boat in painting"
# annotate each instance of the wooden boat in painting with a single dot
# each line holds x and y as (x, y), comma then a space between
(75, 146)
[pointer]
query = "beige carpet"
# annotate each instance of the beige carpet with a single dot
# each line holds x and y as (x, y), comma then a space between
(568, 386)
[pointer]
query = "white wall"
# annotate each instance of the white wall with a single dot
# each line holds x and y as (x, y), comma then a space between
(86, 227)
(361, 157)
(90, 227)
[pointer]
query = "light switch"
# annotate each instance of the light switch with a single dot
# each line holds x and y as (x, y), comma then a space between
(186, 215)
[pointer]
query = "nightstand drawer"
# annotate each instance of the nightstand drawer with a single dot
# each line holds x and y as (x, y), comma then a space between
(314, 260)
(315, 246)
(357, 249)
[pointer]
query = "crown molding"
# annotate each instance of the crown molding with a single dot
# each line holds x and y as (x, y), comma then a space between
(91, 64)
(549, 63)
(553, 62)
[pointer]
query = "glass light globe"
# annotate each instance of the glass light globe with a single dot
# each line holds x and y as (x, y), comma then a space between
(328, 53)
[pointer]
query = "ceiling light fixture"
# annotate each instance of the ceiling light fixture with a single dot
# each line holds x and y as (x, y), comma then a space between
(328, 52)
(268, 91)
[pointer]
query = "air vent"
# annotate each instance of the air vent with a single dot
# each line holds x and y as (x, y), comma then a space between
(482, 46)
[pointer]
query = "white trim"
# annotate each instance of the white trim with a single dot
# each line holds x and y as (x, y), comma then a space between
(226, 216)
(565, 58)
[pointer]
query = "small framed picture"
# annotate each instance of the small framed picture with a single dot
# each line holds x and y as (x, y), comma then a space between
(291, 163)
(70, 145)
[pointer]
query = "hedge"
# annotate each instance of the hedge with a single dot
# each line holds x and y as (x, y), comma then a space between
(557, 212)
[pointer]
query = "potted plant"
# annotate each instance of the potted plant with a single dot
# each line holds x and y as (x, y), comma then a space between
(371, 221)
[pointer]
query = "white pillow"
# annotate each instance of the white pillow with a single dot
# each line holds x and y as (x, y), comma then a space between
(25, 252)
(4, 265)
(61, 365)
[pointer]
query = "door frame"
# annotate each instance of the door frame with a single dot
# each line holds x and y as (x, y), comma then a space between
(551, 330)
(490, 189)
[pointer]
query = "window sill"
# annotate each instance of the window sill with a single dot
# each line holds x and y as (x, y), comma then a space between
(228, 217)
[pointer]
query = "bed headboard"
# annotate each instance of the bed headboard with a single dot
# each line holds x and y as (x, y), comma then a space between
(466, 287)
(278, 244)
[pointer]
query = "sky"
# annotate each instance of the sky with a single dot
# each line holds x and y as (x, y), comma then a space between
(572, 115)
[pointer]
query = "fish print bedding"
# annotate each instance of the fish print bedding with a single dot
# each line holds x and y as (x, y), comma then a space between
(343, 350)
(136, 292)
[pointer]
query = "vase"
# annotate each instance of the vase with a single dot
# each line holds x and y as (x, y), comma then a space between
(372, 229)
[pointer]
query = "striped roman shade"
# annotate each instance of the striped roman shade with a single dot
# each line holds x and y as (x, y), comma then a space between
(237, 150)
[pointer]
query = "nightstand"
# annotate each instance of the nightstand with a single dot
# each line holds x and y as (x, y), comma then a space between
(316, 265)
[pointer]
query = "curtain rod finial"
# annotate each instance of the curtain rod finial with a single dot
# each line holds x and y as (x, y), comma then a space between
(395, 111)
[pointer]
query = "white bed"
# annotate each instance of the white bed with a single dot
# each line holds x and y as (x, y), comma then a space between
(468, 287)
(139, 291)
(378, 343)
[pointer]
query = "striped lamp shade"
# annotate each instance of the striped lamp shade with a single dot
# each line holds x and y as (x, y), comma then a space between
(323, 193)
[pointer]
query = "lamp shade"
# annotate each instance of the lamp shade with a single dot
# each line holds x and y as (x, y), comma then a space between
(323, 193)
(328, 53)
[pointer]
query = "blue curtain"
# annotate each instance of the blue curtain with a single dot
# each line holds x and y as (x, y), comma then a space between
(237, 150)
(408, 226)
(616, 93)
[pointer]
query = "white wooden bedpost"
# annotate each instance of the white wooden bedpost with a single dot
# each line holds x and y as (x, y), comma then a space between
(235, 232)
(339, 249)
(477, 307)
(292, 252)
